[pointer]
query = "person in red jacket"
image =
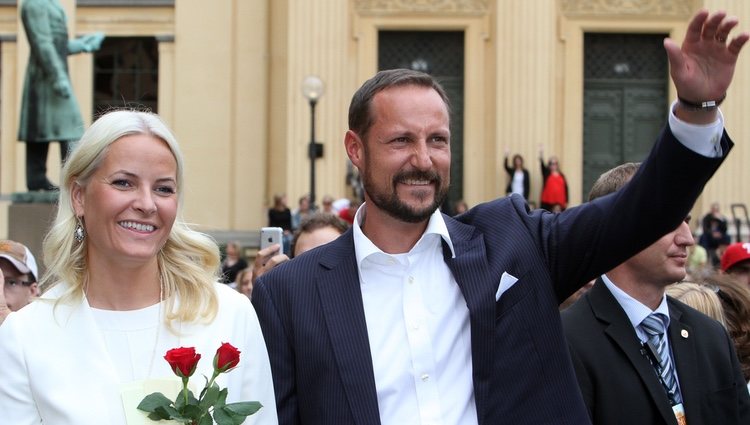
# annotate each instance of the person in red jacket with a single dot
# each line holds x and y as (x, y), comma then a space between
(554, 186)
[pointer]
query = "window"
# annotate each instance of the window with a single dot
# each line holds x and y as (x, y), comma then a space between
(126, 74)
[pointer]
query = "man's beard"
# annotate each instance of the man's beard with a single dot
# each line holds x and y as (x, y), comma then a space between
(391, 204)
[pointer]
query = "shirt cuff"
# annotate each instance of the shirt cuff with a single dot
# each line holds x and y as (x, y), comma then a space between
(694, 136)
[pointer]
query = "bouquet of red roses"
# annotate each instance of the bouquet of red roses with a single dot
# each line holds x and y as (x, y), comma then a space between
(211, 404)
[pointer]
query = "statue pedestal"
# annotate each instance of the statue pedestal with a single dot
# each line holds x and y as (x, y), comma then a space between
(29, 218)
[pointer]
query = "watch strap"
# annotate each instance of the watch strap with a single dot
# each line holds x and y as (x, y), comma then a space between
(706, 105)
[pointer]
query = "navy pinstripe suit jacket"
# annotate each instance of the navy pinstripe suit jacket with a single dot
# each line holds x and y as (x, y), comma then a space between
(312, 315)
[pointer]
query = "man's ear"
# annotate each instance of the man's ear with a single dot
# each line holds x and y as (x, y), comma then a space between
(354, 148)
(34, 287)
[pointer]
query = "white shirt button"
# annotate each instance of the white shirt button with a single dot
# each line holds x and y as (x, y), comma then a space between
(425, 377)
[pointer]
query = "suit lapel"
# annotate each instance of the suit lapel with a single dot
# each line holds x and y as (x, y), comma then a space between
(683, 349)
(620, 330)
(471, 271)
(341, 300)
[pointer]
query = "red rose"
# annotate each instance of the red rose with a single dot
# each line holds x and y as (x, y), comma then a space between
(210, 407)
(227, 357)
(183, 361)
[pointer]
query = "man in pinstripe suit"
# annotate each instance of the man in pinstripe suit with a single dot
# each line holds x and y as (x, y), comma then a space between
(414, 317)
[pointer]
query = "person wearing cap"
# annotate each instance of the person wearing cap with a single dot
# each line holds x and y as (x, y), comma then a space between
(736, 262)
(19, 271)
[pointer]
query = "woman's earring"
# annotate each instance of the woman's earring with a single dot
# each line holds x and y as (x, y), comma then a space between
(79, 234)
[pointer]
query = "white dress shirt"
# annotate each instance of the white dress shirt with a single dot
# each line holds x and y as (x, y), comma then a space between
(694, 136)
(418, 328)
(637, 312)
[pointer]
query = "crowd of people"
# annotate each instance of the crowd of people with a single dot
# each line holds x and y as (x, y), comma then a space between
(391, 312)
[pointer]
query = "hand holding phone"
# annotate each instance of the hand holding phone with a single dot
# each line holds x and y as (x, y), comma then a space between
(268, 258)
(270, 236)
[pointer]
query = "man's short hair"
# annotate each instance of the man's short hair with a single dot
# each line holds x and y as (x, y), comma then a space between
(317, 221)
(360, 116)
(613, 180)
(320, 220)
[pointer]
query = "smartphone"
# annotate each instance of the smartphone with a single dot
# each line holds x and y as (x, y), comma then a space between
(270, 236)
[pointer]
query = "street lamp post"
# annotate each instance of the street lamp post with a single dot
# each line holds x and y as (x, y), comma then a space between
(312, 89)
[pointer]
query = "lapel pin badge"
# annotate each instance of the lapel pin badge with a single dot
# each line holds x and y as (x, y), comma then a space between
(684, 333)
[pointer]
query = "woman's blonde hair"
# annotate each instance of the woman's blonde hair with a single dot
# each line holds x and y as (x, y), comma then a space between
(189, 260)
(700, 297)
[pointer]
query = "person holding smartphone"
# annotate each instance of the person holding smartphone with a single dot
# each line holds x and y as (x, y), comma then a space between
(315, 230)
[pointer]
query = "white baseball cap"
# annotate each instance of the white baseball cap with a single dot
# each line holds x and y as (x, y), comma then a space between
(20, 256)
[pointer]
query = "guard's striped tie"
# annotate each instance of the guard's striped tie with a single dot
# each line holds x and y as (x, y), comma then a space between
(654, 327)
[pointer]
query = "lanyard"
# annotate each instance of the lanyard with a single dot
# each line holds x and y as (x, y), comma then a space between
(650, 352)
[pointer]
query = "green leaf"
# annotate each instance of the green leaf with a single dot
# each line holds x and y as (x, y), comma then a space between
(152, 401)
(243, 408)
(154, 416)
(222, 399)
(203, 391)
(168, 412)
(224, 417)
(211, 396)
(192, 411)
(191, 398)
(206, 420)
(180, 400)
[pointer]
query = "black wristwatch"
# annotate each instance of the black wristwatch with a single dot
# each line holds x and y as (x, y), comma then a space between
(708, 105)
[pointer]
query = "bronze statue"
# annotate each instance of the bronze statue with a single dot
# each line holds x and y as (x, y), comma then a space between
(49, 111)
